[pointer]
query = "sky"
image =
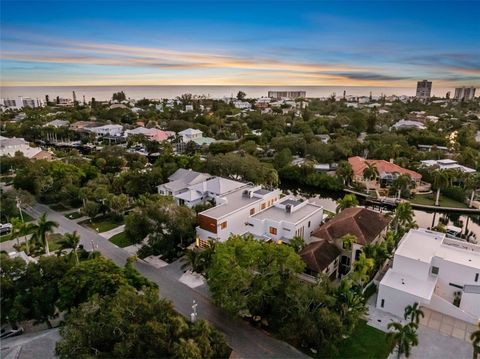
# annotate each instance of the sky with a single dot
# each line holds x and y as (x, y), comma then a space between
(334, 43)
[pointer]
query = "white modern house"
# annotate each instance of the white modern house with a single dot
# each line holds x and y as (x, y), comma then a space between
(232, 211)
(190, 134)
(244, 105)
(437, 272)
(286, 219)
(10, 146)
(107, 130)
(57, 124)
(191, 188)
(447, 163)
(409, 125)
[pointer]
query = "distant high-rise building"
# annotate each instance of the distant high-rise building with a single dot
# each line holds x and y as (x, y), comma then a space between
(21, 102)
(465, 93)
(287, 94)
(424, 89)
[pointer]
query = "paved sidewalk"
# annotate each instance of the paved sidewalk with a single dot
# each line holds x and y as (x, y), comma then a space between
(109, 234)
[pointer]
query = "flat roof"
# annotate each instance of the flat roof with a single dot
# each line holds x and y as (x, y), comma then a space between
(280, 214)
(406, 283)
(234, 201)
(422, 245)
(292, 202)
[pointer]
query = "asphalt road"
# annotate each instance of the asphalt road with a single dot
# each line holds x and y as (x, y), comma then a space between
(246, 341)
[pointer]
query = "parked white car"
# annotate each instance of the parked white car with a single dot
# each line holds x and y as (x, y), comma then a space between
(5, 228)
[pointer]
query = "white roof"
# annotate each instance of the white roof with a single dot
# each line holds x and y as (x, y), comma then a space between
(190, 131)
(235, 200)
(412, 285)
(422, 245)
(190, 195)
(447, 163)
(409, 124)
(217, 185)
(278, 213)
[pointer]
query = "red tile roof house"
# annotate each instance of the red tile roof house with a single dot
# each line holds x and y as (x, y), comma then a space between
(367, 226)
(387, 172)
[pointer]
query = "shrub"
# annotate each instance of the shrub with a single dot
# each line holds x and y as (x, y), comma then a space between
(456, 193)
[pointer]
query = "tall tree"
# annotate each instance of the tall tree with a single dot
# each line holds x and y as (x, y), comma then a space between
(441, 180)
(472, 182)
(345, 172)
(403, 337)
(413, 313)
(404, 217)
(71, 241)
(348, 201)
(475, 338)
(133, 325)
(42, 228)
(370, 172)
(402, 184)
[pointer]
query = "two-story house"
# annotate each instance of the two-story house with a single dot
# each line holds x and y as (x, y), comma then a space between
(437, 272)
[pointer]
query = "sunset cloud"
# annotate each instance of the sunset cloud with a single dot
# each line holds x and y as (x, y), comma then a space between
(294, 44)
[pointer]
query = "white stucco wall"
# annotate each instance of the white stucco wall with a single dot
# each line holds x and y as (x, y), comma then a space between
(395, 300)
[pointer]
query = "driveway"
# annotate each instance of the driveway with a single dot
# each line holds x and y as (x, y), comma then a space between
(439, 336)
(246, 341)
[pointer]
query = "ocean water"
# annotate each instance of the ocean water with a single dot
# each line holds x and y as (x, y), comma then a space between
(157, 92)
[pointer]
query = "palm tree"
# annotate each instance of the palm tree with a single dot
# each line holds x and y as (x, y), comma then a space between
(192, 260)
(370, 172)
(42, 228)
(345, 172)
(349, 200)
(472, 182)
(475, 338)
(349, 303)
(26, 229)
(441, 180)
(404, 216)
(348, 240)
(362, 268)
(413, 312)
(71, 240)
(16, 227)
(403, 337)
(402, 183)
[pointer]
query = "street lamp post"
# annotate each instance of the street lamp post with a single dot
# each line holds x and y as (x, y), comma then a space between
(194, 314)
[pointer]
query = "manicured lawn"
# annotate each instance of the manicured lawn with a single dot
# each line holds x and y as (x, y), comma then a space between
(73, 215)
(365, 342)
(429, 199)
(120, 240)
(102, 224)
(53, 242)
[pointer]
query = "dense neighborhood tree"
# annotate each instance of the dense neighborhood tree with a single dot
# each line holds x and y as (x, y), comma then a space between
(133, 325)
(96, 276)
(167, 225)
(245, 274)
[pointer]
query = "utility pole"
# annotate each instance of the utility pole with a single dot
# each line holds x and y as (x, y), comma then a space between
(17, 199)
